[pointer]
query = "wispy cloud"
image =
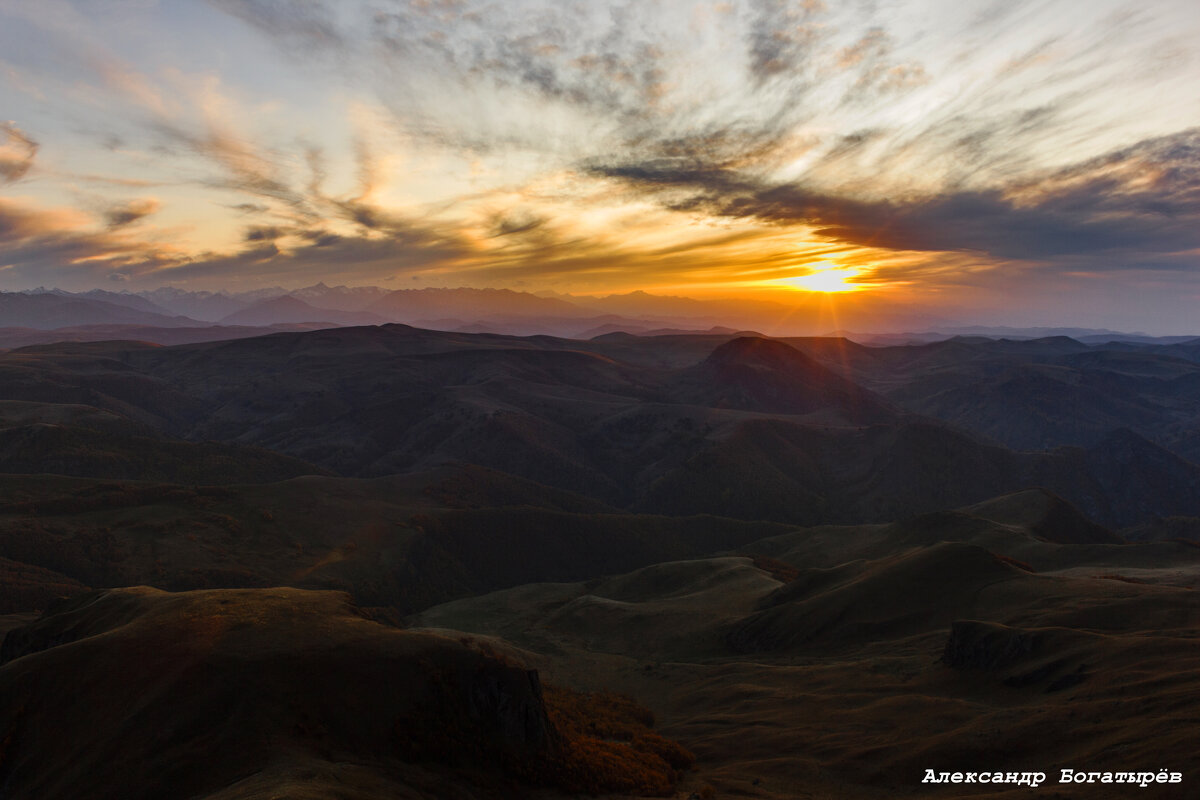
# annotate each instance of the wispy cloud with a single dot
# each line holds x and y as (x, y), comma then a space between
(311, 255)
(61, 247)
(17, 152)
(1141, 199)
(123, 214)
(619, 143)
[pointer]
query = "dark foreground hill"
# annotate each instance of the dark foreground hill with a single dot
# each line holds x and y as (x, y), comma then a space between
(835, 661)
(138, 694)
(846, 662)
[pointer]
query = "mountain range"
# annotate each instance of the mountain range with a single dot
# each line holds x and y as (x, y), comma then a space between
(469, 310)
(384, 561)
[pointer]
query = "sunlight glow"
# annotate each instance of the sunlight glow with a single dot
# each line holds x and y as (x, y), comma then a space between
(825, 279)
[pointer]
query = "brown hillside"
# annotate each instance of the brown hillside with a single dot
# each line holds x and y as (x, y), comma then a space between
(252, 693)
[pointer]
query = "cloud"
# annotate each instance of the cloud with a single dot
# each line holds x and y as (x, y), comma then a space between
(781, 36)
(17, 152)
(250, 208)
(187, 114)
(128, 183)
(59, 247)
(516, 223)
(1127, 205)
(472, 74)
(273, 253)
(757, 127)
(124, 214)
(246, 168)
(264, 233)
(307, 25)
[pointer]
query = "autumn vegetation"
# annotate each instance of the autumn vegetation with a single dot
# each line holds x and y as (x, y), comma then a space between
(607, 745)
(597, 743)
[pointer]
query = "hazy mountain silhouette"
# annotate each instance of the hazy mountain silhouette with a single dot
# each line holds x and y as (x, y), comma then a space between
(208, 306)
(342, 298)
(25, 337)
(411, 304)
(47, 310)
(287, 309)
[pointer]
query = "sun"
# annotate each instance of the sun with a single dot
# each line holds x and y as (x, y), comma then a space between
(825, 279)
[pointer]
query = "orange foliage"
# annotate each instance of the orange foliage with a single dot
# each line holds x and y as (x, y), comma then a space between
(607, 745)
(600, 743)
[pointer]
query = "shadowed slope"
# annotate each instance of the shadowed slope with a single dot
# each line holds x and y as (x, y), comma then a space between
(1046, 516)
(764, 375)
(201, 690)
(900, 652)
(403, 541)
(137, 693)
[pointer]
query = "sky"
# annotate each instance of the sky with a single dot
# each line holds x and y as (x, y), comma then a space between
(1026, 162)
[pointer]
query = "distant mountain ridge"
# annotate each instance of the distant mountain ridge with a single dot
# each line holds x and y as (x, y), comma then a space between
(49, 310)
(519, 312)
(290, 309)
(514, 312)
(406, 304)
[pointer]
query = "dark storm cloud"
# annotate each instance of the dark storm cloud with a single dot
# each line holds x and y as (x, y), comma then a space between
(1143, 199)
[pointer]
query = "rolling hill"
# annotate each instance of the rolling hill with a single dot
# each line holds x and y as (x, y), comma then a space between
(753, 428)
(812, 582)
